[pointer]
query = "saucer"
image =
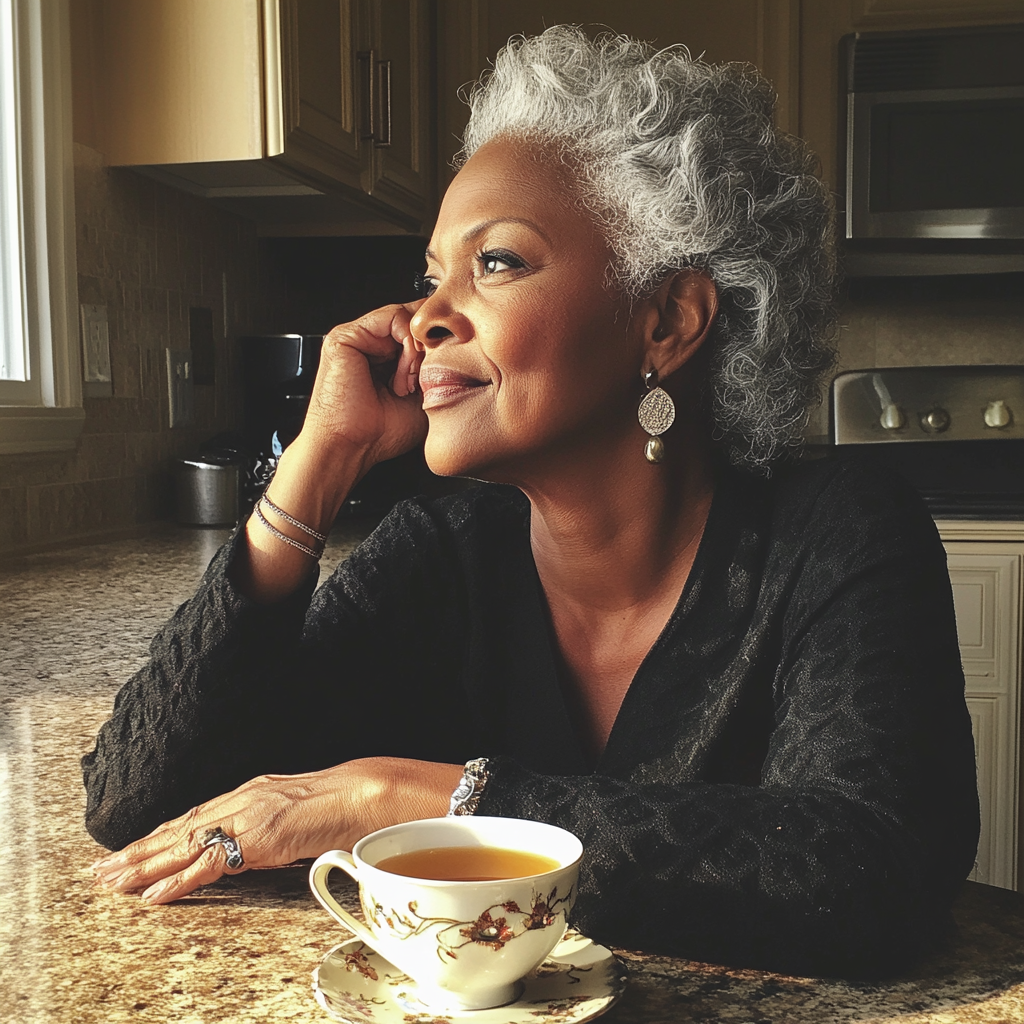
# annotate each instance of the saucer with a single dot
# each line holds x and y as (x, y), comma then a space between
(577, 982)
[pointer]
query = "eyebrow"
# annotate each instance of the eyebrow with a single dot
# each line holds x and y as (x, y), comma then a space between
(479, 229)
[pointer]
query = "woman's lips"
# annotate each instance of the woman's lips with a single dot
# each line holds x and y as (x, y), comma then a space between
(442, 386)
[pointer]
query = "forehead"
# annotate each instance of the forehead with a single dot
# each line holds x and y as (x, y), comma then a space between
(514, 180)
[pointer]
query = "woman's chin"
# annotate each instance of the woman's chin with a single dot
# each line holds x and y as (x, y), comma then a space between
(448, 460)
(454, 454)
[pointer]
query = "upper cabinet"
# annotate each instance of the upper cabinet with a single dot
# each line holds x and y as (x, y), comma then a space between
(355, 91)
(397, 72)
(257, 102)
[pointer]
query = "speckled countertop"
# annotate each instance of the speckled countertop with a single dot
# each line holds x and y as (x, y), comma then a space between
(73, 625)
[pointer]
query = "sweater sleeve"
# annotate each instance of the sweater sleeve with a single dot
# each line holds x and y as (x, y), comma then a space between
(846, 857)
(233, 689)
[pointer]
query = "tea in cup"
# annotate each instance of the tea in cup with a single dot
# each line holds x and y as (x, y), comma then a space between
(466, 906)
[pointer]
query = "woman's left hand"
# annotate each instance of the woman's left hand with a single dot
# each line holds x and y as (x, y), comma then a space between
(277, 819)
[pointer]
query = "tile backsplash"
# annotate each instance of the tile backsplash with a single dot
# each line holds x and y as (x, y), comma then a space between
(149, 254)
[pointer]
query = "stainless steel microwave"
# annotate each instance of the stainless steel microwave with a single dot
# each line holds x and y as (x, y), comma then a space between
(935, 133)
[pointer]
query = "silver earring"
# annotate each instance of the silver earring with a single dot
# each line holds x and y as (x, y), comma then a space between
(657, 413)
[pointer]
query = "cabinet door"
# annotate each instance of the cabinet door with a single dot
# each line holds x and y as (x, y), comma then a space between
(986, 595)
(321, 131)
(401, 164)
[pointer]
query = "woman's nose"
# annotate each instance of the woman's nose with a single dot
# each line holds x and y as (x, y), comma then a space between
(429, 324)
(436, 321)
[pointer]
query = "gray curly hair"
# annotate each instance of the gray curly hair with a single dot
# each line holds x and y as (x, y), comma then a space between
(681, 164)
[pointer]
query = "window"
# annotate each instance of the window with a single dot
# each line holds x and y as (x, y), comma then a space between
(40, 375)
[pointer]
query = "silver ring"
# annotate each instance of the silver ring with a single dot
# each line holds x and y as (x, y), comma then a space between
(218, 837)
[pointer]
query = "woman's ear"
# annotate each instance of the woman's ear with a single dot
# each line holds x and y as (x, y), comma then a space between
(679, 318)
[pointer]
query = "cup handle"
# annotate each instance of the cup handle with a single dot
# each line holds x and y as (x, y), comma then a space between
(318, 883)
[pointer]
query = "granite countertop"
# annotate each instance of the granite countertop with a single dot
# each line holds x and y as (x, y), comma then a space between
(76, 623)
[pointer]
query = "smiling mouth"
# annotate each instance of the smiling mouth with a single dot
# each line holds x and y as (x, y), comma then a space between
(441, 386)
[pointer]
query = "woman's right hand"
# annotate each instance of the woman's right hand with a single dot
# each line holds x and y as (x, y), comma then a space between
(365, 397)
(365, 408)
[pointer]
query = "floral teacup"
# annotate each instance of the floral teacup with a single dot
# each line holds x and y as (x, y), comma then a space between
(467, 944)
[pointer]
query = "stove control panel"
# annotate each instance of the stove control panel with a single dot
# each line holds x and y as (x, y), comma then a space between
(939, 403)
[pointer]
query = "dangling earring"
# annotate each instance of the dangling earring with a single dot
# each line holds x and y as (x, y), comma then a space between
(657, 413)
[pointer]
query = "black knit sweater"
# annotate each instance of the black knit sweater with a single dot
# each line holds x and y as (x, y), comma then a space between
(789, 782)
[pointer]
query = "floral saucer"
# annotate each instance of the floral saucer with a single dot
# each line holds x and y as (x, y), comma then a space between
(577, 982)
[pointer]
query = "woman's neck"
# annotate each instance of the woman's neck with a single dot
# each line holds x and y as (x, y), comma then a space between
(609, 533)
(614, 539)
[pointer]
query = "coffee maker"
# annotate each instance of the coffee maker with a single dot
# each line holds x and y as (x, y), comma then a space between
(278, 371)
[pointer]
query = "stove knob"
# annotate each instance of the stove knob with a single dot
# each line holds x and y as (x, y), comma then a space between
(935, 421)
(997, 415)
(892, 417)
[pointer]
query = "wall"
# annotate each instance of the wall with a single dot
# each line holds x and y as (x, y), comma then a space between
(148, 253)
(940, 320)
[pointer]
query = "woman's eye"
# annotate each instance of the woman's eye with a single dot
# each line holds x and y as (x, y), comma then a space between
(497, 260)
(428, 285)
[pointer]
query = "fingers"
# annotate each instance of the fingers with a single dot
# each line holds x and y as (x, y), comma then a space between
(140, 870)
(406, 379)
(167, 863)
(380, 336)
(159, 840)
(206, 868)
(167, 874)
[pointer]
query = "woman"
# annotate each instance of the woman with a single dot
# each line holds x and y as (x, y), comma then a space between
(740, 688)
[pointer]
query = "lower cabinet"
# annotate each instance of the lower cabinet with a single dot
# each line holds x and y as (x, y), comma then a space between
(986, 578)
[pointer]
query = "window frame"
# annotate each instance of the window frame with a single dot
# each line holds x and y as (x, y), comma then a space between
(46, 415)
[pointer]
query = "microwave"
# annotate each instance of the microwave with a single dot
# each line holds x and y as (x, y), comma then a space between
(935, 133)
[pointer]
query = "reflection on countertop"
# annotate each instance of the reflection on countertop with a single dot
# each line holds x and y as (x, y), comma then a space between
(75, 624)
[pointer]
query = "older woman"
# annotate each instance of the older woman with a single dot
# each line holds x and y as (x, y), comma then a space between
(735, 678)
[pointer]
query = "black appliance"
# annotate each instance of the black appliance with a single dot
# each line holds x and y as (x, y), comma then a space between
(935, 134)
(278, 371)
(956, 432)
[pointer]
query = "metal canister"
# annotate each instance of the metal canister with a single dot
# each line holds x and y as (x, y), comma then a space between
(207, 491)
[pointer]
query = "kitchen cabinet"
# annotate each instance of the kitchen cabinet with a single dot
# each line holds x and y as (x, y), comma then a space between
(986, 576)
(263, 102)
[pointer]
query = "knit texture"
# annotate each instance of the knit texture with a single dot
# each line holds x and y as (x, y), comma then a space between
(790, 780)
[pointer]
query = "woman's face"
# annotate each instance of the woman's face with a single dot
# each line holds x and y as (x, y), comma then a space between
(527, 353)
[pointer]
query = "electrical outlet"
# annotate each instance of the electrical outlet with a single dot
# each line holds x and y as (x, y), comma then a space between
(95, 344)
(180, 395)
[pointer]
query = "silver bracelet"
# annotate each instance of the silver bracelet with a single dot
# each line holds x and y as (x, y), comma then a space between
(466, 797)
(288, 519)
(305, 549)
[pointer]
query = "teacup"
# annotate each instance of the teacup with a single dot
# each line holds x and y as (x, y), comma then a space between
(467, 944)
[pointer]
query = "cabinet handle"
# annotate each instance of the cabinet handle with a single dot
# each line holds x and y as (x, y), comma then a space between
(384, 92)
(370, 109)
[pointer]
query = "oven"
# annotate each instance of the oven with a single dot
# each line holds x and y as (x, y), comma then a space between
(955, 432)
